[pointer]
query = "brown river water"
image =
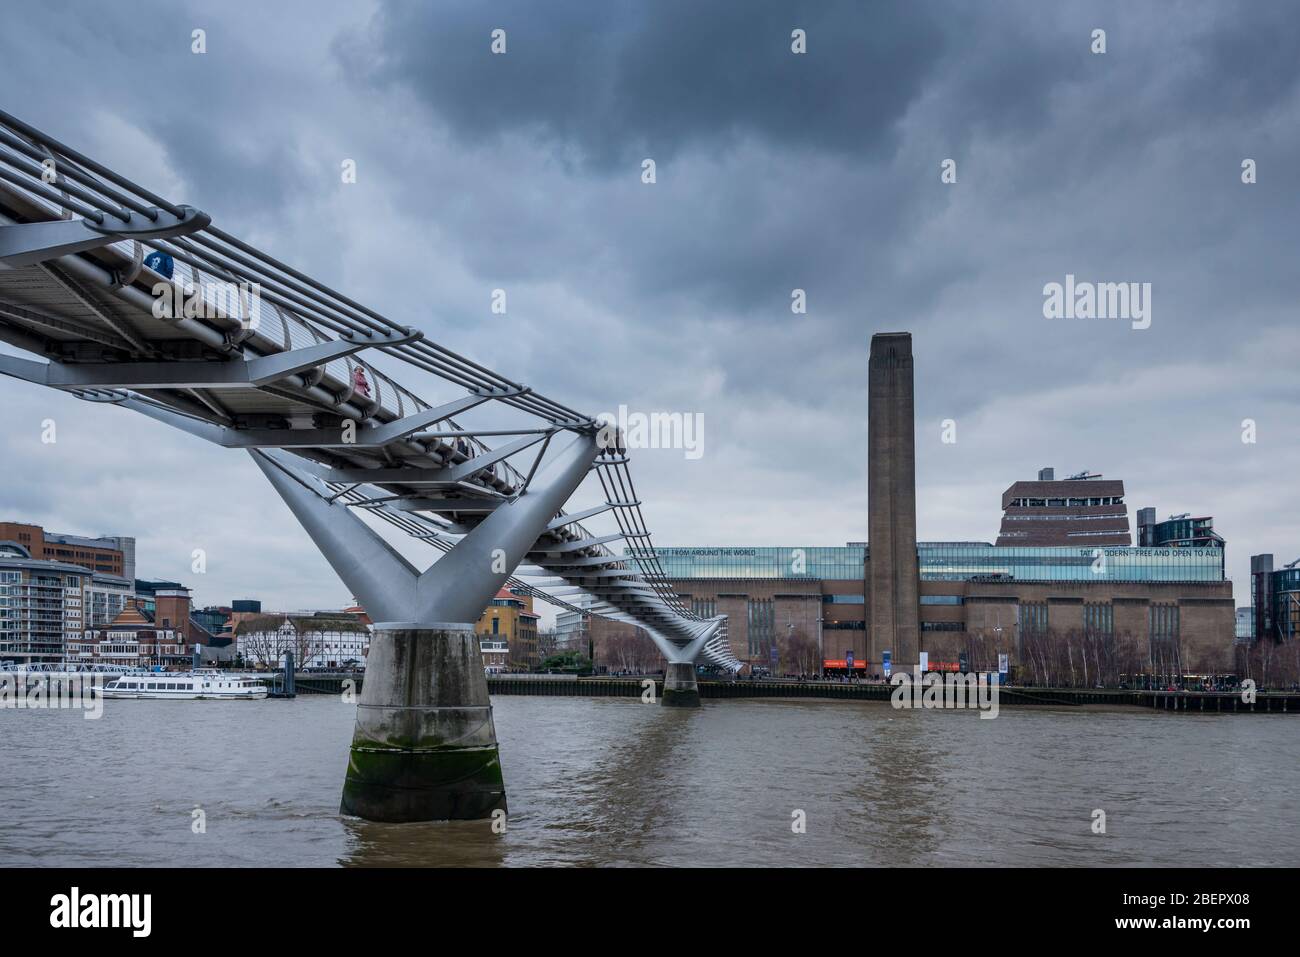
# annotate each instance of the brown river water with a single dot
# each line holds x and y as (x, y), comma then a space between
(610, 781)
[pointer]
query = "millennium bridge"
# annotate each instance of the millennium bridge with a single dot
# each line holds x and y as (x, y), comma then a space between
(126, 298)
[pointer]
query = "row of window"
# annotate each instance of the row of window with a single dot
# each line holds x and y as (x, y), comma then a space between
(1063, 518)
(956, 561)
(1066, 502)
(1099, 618)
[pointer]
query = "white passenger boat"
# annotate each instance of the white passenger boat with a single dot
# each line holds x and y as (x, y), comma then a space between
(204, 683)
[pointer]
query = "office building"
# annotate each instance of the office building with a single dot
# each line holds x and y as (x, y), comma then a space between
(107, 555)
(611, 646)
(42, 606)
(136, 639)
(1177, 531)
(1275, 598)
(1084, 509)
(508, 632)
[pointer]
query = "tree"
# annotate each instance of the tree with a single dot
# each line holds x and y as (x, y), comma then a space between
(307, 644)
(626, 648)
(261, 646)
(567, 660)
(798, 652)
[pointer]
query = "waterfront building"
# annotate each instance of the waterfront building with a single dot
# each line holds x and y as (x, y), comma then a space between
(42, 605)
(1177, 531)
(320, 639)
(136, 639)
(1245, 624)
(611, 646)
(1063, 594)
(1084, 509)
(508, 632)
(147, 590)
(216, 619)
(86, 587)
(1175, 603)
(241, 610)
(1275, 598)
(106, 555)
(496, 654)
(107, 597)
(158, 630)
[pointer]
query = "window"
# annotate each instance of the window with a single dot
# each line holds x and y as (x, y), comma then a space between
(941, 599)
(762, 625)
(1033, 618)
(1163, 621)
(1098, 619)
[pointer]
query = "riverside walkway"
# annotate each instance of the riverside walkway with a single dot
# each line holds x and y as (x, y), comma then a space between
(1199, 702)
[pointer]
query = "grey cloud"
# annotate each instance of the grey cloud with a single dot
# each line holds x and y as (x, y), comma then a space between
(775, 171)
(616, 82)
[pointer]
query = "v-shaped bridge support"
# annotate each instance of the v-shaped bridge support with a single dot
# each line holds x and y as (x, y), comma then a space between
(425, 747)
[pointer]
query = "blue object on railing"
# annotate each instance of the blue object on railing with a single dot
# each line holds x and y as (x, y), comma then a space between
(160, 263)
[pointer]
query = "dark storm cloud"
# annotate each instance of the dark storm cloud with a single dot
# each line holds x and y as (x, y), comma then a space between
(615, 82)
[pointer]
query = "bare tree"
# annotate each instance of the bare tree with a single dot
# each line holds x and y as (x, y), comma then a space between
(798, 652)
(261, 646)
(306, 644)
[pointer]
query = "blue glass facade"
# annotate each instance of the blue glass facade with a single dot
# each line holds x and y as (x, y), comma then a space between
(814, 562)
(954, 561)
(958, 561)
(1283, 619)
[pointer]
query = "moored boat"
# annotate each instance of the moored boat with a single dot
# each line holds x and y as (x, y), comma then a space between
(185, 685)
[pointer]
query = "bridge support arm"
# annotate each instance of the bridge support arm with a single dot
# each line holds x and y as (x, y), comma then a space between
(24, 244)
(681, 688)
(424, 747)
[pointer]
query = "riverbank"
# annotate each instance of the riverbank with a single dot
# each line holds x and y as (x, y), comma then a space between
(1201, 702)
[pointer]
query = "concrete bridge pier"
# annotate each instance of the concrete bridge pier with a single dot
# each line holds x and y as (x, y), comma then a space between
(681, 690)
(425, 747)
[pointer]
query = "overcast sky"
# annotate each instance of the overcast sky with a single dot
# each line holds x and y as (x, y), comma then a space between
(775, 171)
